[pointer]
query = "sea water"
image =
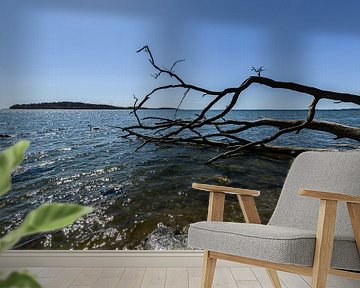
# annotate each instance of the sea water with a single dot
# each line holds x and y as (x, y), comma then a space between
(143, 199)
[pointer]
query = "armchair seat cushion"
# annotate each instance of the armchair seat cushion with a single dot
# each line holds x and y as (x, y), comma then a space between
(270, 243)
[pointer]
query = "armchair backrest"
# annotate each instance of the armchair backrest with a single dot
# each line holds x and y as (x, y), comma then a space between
(325, 171)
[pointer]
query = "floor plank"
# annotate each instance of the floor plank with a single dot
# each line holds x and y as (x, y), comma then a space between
(263, 278)
(154, 278)
(50, 272)
(308, 280)
(340, 282)
(131, 278)
(241, 274)
(112, 272)
(45, 282)
(35, 270)
(87, 277)
(293, 280)
(177, 278)
(108, 282)
(65, 277)
(248, 284)
(194, 275)
(224, 278)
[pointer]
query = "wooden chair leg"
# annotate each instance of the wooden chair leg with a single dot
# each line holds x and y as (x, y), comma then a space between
(208, 271)
(324, 243)
(274, 278)
(354, 212)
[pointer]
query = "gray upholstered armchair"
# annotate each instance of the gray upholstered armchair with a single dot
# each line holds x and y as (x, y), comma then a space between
(312, 232)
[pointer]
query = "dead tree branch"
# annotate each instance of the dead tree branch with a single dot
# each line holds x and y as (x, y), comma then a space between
(225, 133)
(258, 70)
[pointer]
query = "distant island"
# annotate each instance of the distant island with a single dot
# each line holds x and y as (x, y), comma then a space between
(66, 105)
(72, 105)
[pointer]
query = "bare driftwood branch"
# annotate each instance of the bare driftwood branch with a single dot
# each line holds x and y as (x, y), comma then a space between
(225, 133)
(258, 70)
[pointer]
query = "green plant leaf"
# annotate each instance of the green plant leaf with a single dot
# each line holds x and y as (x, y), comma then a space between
(10, 239)
(19, 280)
(48, 217)
(9, 159)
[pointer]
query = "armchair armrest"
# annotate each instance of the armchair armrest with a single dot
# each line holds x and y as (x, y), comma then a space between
(326, 224)
(330, 196)
(226, 190)
(217, 197)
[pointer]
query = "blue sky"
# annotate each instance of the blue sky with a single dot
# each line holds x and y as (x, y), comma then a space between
(85, 50)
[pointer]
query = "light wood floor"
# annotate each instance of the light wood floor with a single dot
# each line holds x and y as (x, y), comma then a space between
(143, 270)
(171, 277)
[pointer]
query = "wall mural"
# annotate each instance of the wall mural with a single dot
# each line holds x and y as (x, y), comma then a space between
(224, 94)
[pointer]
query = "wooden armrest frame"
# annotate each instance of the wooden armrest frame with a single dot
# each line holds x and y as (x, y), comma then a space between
(353, 205)
(330, 196)
(326, 227)
(217, 201)
(225, 189)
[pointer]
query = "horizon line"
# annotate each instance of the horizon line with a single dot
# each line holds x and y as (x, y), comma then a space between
(192, 109)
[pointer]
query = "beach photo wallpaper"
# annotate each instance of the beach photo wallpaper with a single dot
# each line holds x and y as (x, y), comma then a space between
(127, 103)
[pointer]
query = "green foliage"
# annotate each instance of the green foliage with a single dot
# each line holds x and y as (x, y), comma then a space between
(55, 216)
(19, 280)
(9, 159)
(48, 217)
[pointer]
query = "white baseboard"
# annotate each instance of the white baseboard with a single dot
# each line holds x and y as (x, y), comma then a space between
(103, 258)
